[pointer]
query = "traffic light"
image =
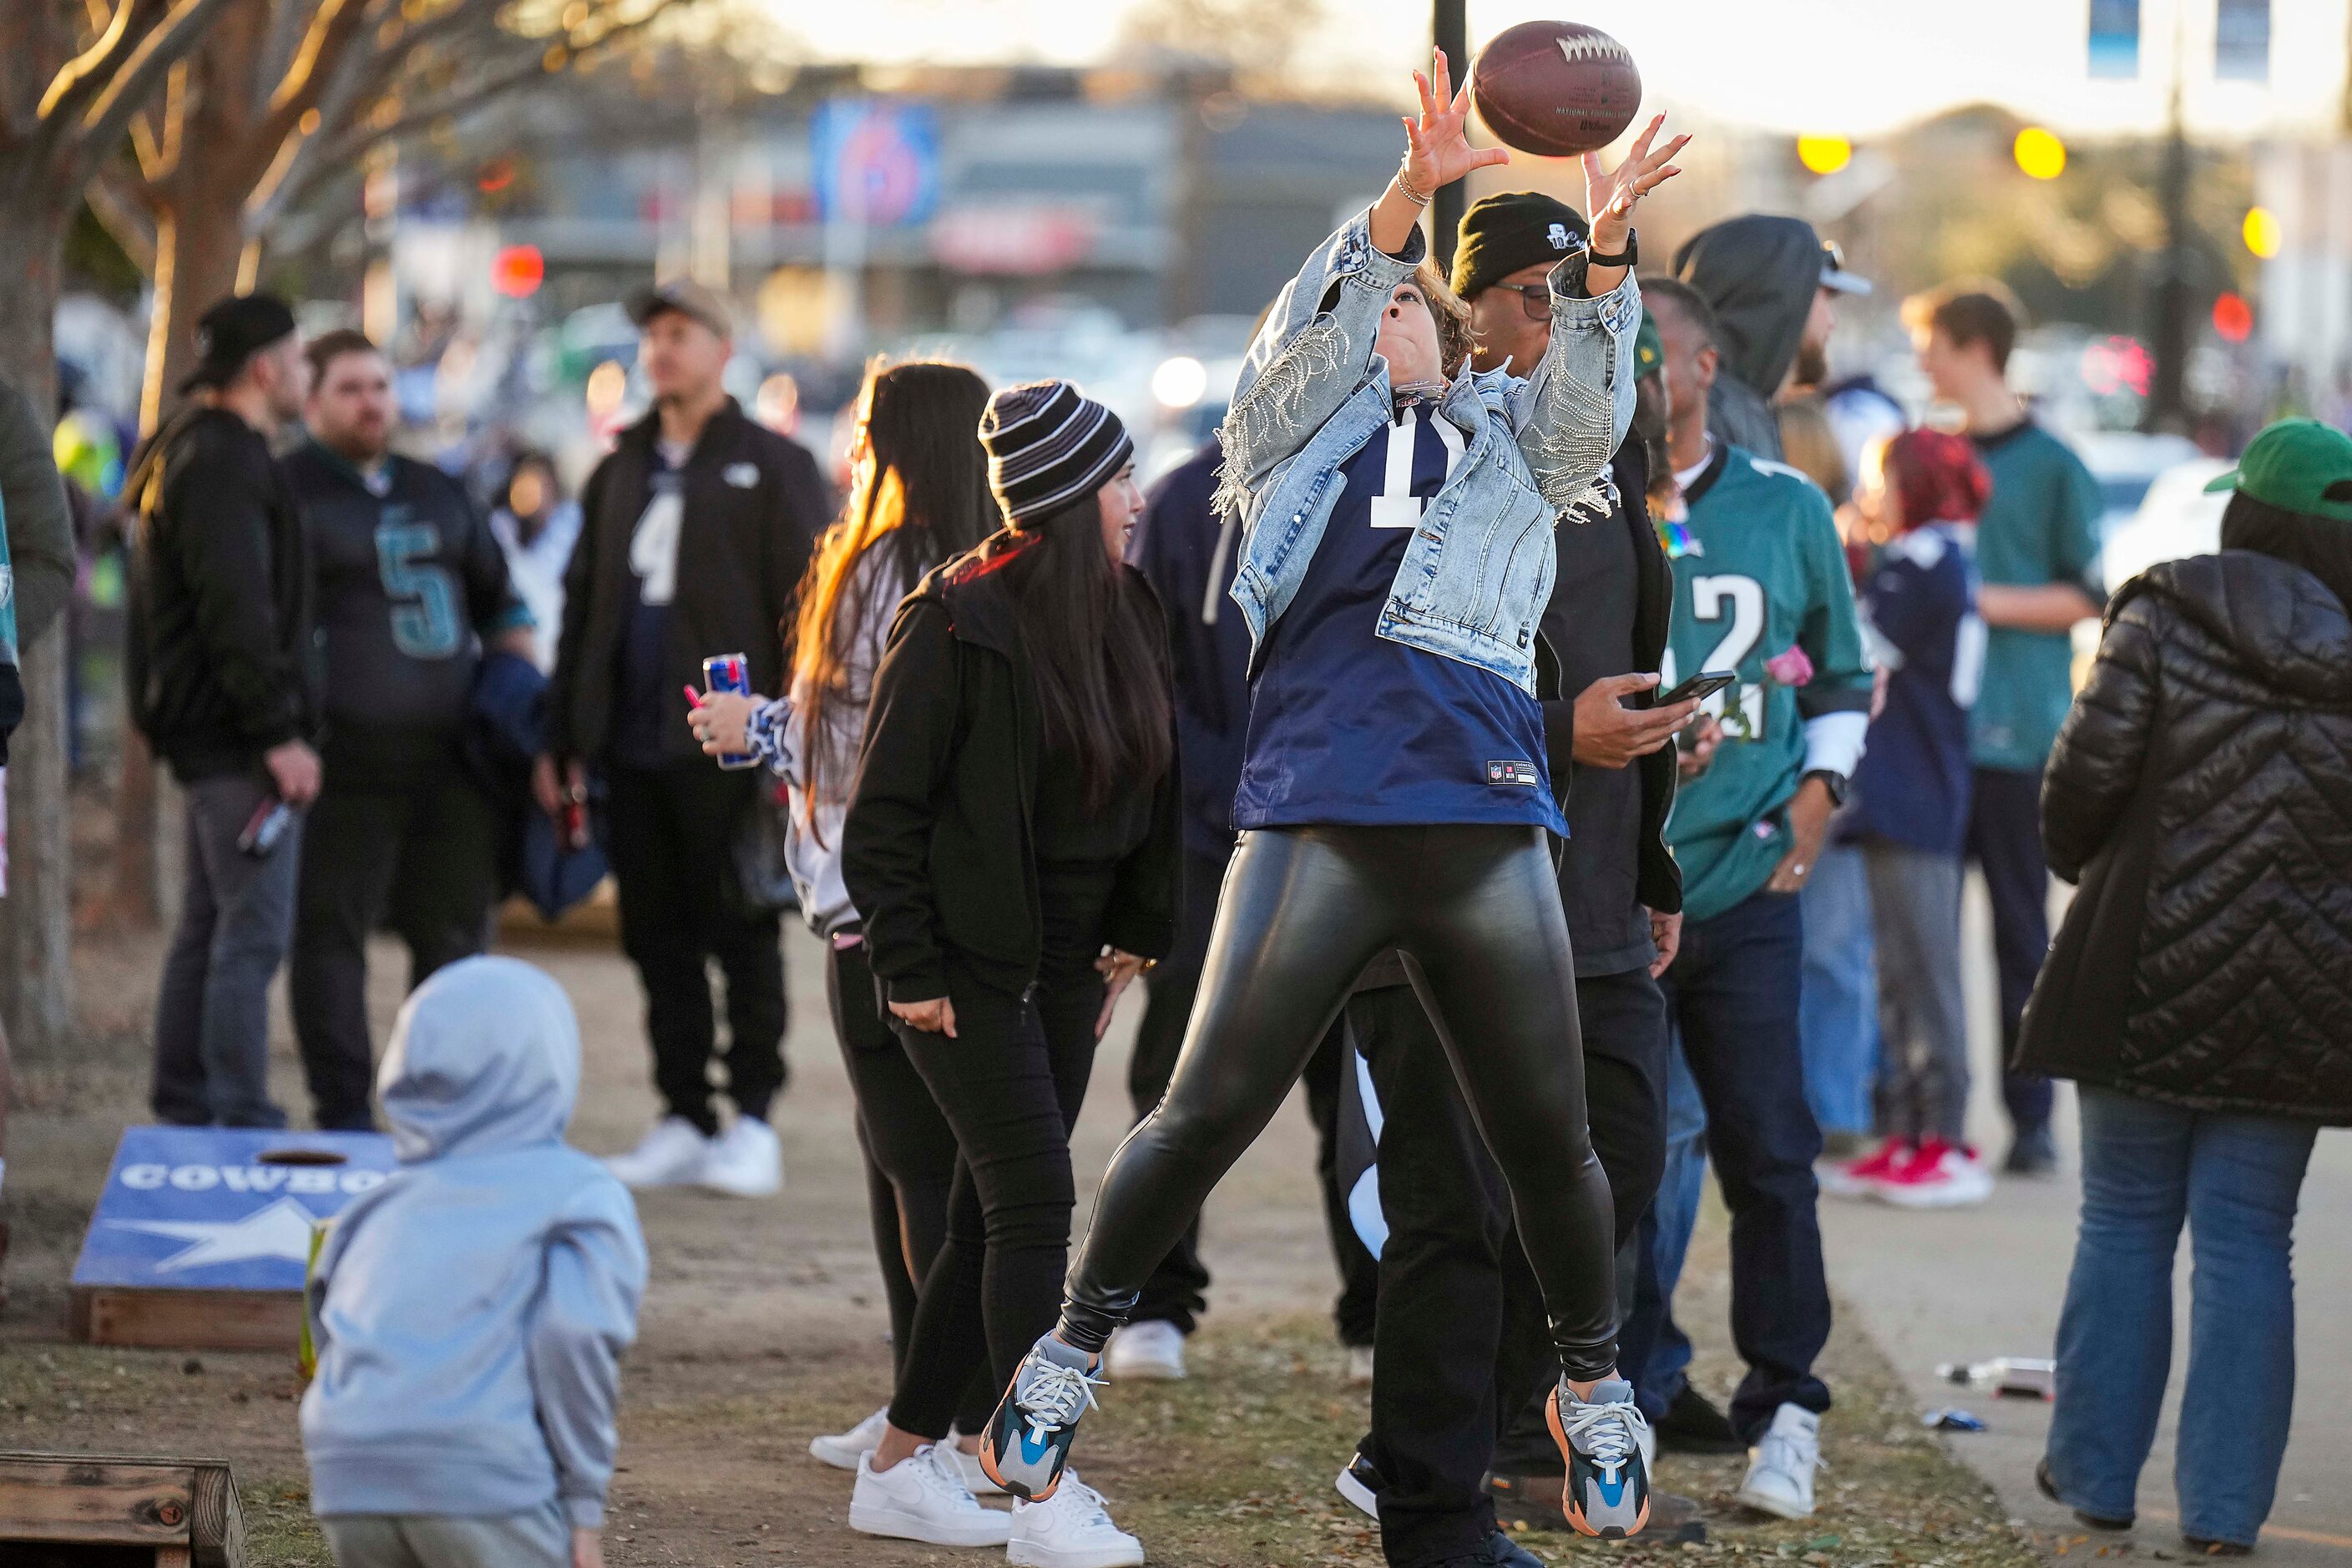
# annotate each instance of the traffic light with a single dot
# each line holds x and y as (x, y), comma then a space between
(1825, 154)
(517, 270)
(2262, 232)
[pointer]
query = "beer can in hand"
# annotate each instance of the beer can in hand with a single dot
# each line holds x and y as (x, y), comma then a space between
(729, 672)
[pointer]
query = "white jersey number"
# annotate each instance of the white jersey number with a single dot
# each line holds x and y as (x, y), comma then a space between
(1744, 596)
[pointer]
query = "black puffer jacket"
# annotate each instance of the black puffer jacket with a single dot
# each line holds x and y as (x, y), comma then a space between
(2202, 793)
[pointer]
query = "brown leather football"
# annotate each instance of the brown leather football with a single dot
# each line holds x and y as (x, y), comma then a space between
(1555, 88)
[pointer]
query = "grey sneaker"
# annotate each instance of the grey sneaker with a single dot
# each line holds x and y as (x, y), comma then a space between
(1602, 1439)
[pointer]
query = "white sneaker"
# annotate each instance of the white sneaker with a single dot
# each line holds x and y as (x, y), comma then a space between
(1939, 1176)
(976, 1479)
(673, 1155)
(1780, 1468)
(1150, 1351)
(747, 1161)
(1360, 1366)
(843, 1449)
(1070, 1530)
(921, 1499)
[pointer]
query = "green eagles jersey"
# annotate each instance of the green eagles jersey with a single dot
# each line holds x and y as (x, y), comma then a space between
(2041, 525)
(1764, 572)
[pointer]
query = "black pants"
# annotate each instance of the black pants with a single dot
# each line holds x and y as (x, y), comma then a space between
(910, 1158)
(671, 844)
(1462, 1363)
(2005, 840)
(1177, 1291)
(1010, 1085)
(416, 842)
(1477, 912)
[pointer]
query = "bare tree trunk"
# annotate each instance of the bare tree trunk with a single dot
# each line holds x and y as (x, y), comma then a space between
(197, 243)
(35, 918)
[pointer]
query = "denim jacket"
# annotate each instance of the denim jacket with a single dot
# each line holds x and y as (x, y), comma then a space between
(1479, 570)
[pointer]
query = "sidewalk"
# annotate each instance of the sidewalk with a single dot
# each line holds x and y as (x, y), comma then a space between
(1974, 1284)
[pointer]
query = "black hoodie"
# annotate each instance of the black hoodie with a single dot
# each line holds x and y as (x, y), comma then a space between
(1760, 274)
(936, 851)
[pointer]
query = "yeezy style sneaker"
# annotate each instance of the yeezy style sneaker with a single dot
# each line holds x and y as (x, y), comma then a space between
(1028, 1439)
(919, 1498)
(747, 1161)
(841, 1450)
(673, 1155)
(1070, 1530)
(1939, 1175)
(1860, 1178)
(1150, 1351)
(1602, 1439)
(1780, 1472)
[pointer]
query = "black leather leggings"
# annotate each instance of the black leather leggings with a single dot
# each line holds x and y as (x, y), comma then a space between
(1475, 910)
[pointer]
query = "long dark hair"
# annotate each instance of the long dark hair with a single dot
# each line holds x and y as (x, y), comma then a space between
(1097, 650)
(928, 499)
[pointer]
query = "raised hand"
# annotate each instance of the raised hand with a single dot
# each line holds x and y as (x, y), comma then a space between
(1610, 194)
(1437, 150)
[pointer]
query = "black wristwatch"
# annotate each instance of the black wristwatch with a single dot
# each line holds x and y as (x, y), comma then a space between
(1836, 782)
(1625, 257)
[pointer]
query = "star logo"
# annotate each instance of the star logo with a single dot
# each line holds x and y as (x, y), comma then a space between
(280, 1231)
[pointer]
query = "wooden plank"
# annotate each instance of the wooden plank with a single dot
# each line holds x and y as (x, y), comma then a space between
(188, 1320)
(96, 1502)
(216, 1525)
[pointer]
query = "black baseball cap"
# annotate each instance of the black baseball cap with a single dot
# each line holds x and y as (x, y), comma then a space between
(1502, 234)
(231, 332)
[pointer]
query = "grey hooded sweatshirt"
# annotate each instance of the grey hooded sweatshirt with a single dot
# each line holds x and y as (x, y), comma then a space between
(1758, 274)
(469, 1314)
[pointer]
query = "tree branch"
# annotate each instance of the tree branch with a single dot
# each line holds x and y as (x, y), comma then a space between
(108, 118)
(121, 207)
(331, 32)
(84, 75)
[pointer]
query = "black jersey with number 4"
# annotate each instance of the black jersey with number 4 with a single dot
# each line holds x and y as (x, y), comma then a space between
(409, 579)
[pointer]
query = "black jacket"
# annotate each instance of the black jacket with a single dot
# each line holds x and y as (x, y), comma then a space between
(1660, 886)
(2200, 793)
(935, 851)
(754, 506)
(219, 660)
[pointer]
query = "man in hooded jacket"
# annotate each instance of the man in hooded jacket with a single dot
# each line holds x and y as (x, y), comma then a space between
(1773, 286)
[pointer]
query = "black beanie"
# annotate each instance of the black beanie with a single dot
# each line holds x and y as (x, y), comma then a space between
(1504, 233)
(1048, 446)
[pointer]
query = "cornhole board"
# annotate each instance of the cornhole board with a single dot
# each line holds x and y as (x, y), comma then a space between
(202, 1234)
(184, 1510)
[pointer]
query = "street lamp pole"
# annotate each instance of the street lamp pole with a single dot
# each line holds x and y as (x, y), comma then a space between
(1449, 24)
(2167, 399)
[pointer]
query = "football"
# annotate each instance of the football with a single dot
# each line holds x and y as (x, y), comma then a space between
(1555, 88)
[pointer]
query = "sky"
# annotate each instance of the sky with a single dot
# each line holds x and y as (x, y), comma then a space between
(1849, 68)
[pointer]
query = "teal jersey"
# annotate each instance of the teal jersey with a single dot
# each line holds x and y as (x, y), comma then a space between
(8, 597)
(2041, 526)
(1764, 572)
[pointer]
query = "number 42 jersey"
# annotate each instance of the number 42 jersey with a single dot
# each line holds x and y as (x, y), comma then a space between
(1762, 572)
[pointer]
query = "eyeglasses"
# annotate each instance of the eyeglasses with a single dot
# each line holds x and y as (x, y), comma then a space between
(1535, 299)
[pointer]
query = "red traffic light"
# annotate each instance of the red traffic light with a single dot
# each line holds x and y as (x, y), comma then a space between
(518, 271)
(2233, 319)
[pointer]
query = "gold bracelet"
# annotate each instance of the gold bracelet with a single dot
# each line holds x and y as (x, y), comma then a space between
(1404, 184)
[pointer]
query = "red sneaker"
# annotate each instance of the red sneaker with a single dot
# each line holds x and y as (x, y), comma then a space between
(1860, 1178)
(1939, 1175)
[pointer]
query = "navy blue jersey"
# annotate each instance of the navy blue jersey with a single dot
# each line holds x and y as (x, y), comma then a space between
(1348, 727)
(1919, 606)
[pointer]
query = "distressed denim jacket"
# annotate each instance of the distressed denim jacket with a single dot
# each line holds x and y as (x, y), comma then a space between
(1477, 572)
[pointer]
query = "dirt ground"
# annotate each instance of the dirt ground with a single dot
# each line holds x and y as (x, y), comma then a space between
(763, 1324)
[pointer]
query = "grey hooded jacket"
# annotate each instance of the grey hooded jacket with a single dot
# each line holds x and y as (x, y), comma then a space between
(469, 1314)
(1758, 273)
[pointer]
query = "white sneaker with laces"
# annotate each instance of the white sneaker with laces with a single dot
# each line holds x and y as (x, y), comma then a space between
(1072, 1529)
(673, 1154)
(1149, 1351)
(921, 1499)
(968, 1466)
(1780, 1468)
(841, 1450)
(747, 1161)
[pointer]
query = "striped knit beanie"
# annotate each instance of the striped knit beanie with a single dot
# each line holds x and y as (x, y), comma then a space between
(1048, 446)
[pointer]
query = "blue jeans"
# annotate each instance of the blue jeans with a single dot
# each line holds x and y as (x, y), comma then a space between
(1732, 998)
(1837, 1014)
(2235, 1179)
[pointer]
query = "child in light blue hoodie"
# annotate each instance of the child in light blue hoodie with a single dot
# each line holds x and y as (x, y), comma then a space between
(469, 1314)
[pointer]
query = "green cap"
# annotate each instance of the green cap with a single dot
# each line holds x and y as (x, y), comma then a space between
(2296, 465)
(1649, 353)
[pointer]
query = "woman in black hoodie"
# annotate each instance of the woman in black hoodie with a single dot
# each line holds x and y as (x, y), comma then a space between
(1011, 843)
(2198, 990)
